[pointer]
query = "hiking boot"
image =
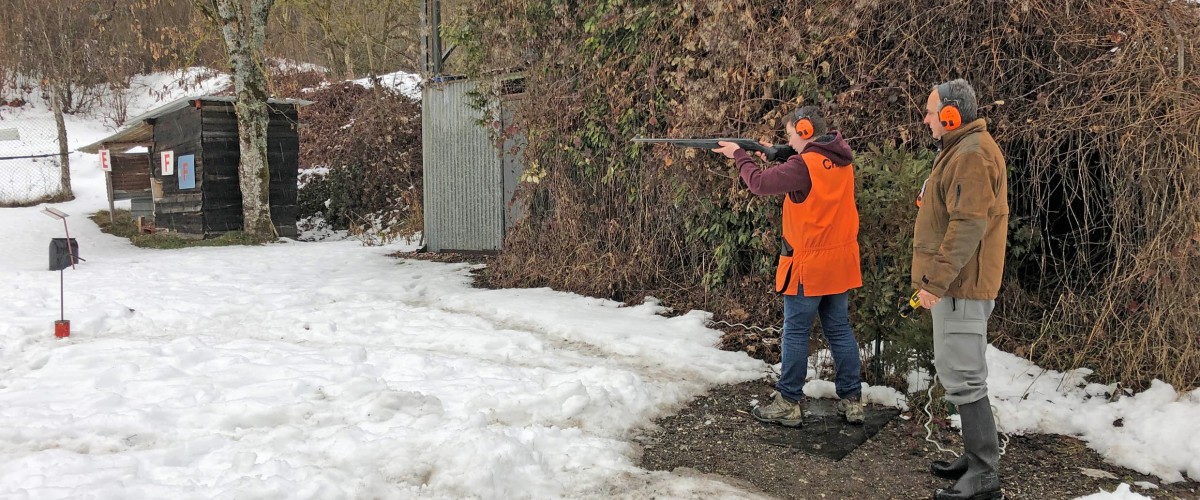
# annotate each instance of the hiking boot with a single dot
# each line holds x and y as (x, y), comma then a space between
(782, 411)
(851, 409)
(950, 470)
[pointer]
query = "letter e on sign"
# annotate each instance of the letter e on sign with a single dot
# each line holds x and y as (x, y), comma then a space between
(105, 161)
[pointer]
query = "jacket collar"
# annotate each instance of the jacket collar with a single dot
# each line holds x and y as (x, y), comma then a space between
(950, 138)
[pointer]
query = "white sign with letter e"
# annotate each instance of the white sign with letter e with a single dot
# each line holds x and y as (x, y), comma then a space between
(168, 163)
(105, 161)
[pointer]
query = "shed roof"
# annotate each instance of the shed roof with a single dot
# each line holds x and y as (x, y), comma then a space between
(138, 131)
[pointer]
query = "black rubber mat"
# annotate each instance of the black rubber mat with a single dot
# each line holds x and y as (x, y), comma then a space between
(825, 433)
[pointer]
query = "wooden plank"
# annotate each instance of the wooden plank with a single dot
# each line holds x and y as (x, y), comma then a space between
(281, 192)
(212, 227)
(180, 223)
(221, 180)
(142, 207)
(131, 184)
(184, 197)
(231, 196)
(212, 207)
(171, 202)
(159, 209)
(119, 194)
(178, 204)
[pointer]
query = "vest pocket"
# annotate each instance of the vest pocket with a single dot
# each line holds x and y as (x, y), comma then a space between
(783, 273)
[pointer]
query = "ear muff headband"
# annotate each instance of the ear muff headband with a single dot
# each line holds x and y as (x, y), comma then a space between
(804, 128)
(950, 116)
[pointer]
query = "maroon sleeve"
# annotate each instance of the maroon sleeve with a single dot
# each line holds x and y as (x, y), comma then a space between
(790, 177)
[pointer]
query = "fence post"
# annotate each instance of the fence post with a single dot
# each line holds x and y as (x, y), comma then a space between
(64, 167)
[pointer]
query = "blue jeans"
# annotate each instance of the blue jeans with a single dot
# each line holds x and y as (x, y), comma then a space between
(798, 314)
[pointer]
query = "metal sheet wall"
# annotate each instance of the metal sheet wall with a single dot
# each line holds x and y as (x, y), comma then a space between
(464, 203)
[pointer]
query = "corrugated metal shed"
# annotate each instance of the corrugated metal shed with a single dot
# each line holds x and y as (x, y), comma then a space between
(464, 187)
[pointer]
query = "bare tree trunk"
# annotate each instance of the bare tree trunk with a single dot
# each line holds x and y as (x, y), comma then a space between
(254, 171)
(245, 35)
(64, 158)
(332, 60)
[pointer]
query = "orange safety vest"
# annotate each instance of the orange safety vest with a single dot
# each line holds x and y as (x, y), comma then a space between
(822, 233)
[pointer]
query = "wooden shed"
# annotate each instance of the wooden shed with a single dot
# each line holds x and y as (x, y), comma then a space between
(198, 194)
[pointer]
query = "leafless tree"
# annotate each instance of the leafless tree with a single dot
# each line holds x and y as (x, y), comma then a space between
(243, 26)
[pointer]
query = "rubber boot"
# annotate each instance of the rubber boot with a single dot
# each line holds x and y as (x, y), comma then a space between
(981, 481)
(950, 470)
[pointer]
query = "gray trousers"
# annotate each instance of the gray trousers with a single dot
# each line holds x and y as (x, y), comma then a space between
(959, 347)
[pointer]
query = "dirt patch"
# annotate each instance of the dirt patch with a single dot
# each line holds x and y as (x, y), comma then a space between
(715, 434)
(446, 257)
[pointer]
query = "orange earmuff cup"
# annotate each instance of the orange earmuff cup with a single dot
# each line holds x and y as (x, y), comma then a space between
(950, 117)
(804, 128)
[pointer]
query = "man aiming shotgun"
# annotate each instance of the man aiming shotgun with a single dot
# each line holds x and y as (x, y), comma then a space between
(819, 262)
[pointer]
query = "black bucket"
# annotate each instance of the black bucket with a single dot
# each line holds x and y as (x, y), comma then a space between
(61, 256)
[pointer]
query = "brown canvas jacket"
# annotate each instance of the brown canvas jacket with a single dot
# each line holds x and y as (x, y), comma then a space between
(962, 223)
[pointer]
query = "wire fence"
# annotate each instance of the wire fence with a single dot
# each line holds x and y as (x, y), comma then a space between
(30, 165)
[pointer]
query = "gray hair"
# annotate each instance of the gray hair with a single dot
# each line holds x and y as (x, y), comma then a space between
(961, 94)
(814, 115)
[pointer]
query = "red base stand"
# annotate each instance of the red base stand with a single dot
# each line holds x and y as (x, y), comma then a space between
(62, 328)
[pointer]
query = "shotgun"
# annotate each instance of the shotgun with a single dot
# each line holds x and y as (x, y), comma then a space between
(778, 152)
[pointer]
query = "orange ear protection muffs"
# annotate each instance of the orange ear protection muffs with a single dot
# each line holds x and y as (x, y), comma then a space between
(949, 115)
(804, 128)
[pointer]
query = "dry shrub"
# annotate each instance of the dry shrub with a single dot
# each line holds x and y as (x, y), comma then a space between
(370, 142)
(1095, 103)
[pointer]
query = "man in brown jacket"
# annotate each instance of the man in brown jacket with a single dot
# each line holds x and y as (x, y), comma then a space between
(958, 261)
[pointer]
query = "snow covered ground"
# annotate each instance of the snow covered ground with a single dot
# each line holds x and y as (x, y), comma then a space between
(324, 370)
(329, 370)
